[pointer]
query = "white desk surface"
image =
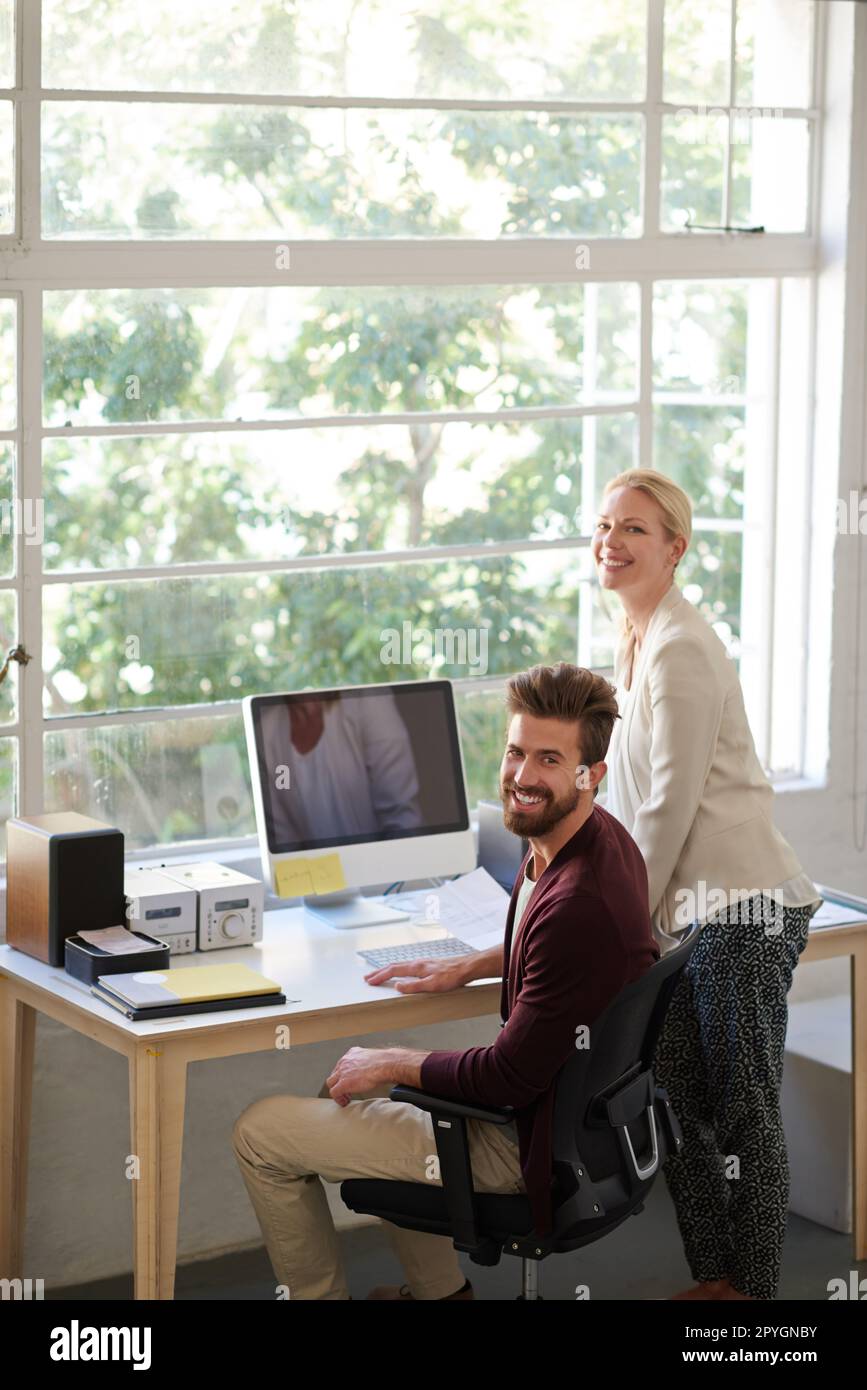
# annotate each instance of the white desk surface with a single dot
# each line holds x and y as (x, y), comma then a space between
(315, 965)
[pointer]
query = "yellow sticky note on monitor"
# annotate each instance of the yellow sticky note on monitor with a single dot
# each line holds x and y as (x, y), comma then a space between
(293, 878)
(327, 873)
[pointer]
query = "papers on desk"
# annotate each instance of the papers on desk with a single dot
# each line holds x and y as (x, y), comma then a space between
(472, 907)
(836, 914)
(117, 941)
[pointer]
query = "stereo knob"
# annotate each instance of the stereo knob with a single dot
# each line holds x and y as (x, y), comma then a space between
(232, 925)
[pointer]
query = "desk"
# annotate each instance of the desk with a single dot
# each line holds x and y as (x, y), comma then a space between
(851, 941)
(313, 963)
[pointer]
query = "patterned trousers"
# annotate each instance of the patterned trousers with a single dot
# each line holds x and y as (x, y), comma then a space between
(720, 1056)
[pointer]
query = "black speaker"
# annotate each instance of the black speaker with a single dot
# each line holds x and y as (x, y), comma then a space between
(64, 874)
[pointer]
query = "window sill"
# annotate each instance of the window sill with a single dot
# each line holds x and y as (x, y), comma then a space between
(784, 785)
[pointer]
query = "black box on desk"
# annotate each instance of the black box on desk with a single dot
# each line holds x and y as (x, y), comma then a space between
(87, 962)
(64, 873)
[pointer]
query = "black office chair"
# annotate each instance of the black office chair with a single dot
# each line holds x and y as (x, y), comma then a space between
(613, 1128)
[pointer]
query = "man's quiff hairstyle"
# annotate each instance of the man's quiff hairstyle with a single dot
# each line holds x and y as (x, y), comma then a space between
(570, 693)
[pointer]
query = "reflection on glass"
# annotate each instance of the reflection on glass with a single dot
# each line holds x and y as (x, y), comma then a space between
(162, 782)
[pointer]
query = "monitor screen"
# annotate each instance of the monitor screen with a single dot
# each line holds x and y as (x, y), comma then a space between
(352, 766)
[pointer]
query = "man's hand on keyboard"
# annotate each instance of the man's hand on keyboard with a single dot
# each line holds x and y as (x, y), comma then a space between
(425, 976)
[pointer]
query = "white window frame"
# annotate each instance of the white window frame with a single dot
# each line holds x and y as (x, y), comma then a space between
(30, 265)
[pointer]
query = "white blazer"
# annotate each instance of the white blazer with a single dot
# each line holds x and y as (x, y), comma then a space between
(684, 778)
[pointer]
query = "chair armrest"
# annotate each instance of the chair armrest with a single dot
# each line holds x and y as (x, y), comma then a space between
(453, 1151)
(437, 1105)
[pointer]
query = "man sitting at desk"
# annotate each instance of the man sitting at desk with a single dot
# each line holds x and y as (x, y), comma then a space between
(580, 920)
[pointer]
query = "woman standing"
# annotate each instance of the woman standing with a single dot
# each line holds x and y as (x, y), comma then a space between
(685, 780)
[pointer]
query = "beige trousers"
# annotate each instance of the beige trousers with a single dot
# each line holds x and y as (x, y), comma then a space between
(284, 1144)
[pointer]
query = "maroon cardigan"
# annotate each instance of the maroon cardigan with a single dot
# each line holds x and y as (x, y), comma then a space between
(585, 934)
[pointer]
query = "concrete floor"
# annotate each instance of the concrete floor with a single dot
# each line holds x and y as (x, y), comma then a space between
(642, 1259)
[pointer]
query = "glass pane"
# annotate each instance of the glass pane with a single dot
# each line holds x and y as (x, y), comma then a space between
(710, 576)
(7, 43)
(8, 365)
(405, 48)
(774, 52)
(482, 720)
(770, 162)
(186, 641)
(256, 353)
(699, 338)
(602, 616)
(269, 495)
(610, 447)
(184, 779)
(696, 52)
(14, 516)
(8, 787)
(7, 169)
(700, 385)
(703, 449)
(8, 640)
(137, 171)
(693, 170)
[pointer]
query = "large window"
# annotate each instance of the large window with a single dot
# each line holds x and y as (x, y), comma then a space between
(323, 329)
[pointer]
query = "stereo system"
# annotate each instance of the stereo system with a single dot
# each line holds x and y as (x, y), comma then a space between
(65, 873)
(160, 907)
(228, 907)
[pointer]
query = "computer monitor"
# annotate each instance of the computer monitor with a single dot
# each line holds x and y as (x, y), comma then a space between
(369, 781)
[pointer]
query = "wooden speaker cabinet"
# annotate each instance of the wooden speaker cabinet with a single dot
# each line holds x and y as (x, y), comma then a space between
(64, 874)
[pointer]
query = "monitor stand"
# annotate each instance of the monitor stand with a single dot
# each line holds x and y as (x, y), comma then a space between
(347, 910)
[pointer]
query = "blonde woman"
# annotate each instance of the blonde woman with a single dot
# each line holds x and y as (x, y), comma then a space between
(684, 778)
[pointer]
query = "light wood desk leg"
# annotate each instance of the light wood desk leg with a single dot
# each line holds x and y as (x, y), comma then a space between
(859, 1100)
(17, 1034)
(157, 1092)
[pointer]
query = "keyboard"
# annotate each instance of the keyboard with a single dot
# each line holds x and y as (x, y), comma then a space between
(417, 950)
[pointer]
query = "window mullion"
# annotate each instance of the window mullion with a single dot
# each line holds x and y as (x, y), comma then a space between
(653, 119)
(727, 180)
(28, 122)
(645, 378)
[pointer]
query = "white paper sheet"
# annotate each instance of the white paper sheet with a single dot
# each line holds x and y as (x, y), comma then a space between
(473, 907)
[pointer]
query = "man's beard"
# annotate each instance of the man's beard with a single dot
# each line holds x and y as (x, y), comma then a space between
(536, 822)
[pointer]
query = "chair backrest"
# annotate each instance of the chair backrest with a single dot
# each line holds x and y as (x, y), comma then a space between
(622, 1043)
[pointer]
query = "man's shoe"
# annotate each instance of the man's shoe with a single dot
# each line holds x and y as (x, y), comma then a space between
(402, 1293)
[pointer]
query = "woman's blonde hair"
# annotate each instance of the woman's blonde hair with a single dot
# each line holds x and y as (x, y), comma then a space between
(676, 511)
